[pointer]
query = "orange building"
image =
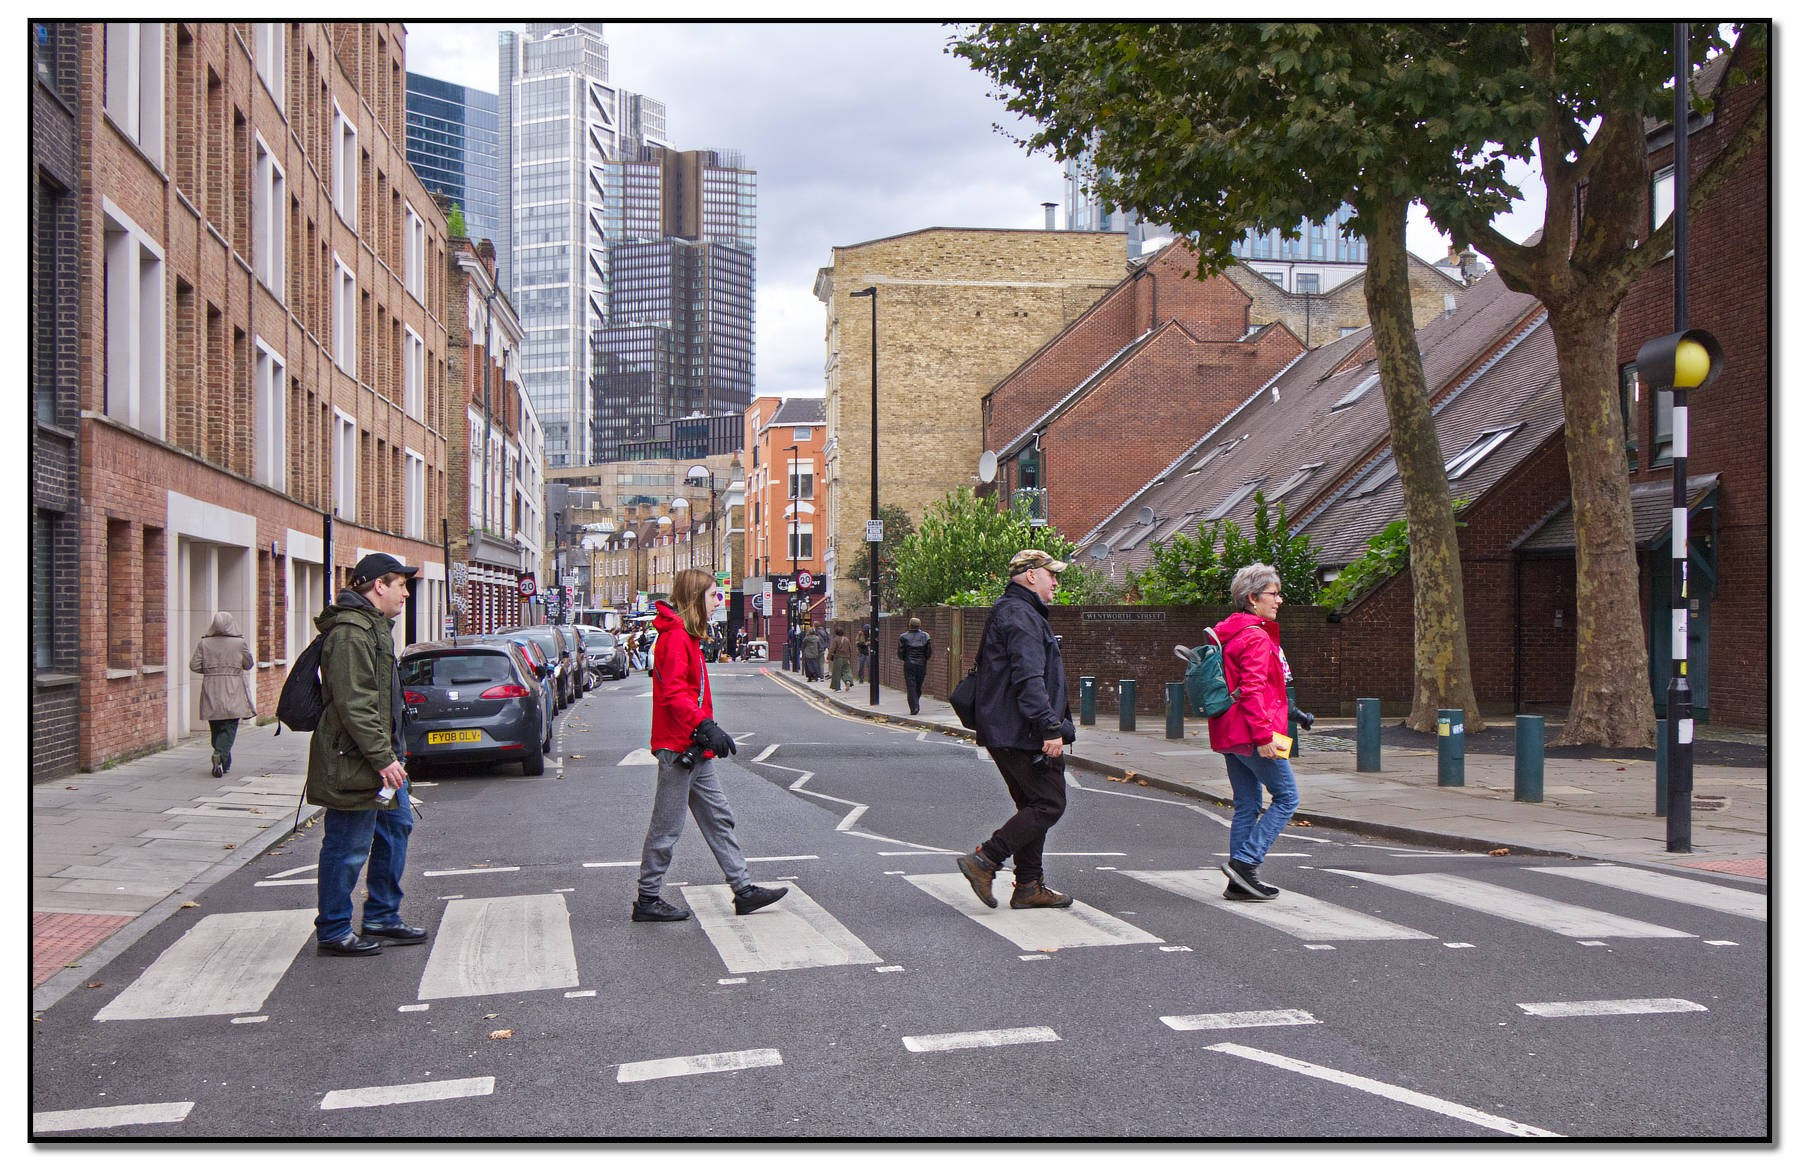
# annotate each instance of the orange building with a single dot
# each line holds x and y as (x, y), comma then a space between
(784, 506)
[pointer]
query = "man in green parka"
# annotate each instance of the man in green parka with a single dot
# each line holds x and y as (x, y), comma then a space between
(356, 768)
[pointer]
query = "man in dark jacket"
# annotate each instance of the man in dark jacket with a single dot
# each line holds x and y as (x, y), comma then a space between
(1022, 717)
(915, 652)
(356, 767)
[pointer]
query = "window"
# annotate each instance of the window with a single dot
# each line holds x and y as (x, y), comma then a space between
(1376, 480)
(414, 360)
(270, 418)
(1277, 277)
(1344, 331)
(1662, 196)
(1031, 465)
(1628, 401)
(800, 542)
(343, 466)
(1357, 392)
(802, 434)
(1662, 442)
(414, 256)
(134, 324)
(268, 221)
(800, 481)
(44, 525)
(1288, 485)
(344, 165)
(1463, 462)
(1306, 284)
(415, 494)
(270, 42)
(134, 84)
(343, 317)
(1217, 451)
(1237, 496)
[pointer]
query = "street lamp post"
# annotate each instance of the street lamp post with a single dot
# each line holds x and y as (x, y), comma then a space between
(695, 476)
(874, 510)
(630, 539)
(793, 489)
(681, 504)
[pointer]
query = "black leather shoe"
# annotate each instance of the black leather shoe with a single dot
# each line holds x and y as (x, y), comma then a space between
(658, 911)
(755, 898)
(351, 944)
(398, 933)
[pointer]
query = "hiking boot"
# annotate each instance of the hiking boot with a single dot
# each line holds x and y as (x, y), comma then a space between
(657, 911)
(754, 898)
(979, 870)
(1243, 876)
(1035, 894)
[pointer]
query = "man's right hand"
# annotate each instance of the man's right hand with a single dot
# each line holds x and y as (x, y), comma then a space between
(1053, 747)
(394, 774)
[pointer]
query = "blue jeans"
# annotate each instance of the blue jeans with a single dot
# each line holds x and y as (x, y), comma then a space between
(352, 838)
(1253, 828)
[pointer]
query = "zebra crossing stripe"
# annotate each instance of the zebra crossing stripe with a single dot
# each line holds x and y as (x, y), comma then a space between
(640, 1070)
(793, 933)
(1277, 1018)
(510, 944)
(225, 966)
(406, 1094)
(1298, 915)
(1612, 1007)
(1038, 928)
(995, 1038)
(110, 1117)
(1674, 888)
(1520, 906)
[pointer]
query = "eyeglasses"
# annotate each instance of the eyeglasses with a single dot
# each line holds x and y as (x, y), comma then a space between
(1269, 593)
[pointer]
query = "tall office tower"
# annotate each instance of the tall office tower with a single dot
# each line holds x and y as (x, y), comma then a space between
(560, 123)
(681, 236)
(453, 143)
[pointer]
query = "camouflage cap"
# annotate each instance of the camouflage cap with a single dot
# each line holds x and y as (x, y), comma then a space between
(1031, 558)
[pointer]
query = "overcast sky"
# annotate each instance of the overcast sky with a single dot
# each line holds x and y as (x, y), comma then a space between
(856, 131)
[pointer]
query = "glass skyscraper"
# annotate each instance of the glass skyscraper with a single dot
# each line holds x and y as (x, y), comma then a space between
(453, 144)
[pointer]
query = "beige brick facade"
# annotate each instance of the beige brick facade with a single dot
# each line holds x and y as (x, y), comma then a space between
(1318, 319)
(958, 310)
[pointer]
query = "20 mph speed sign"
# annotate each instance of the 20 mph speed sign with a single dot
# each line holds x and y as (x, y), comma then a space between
(527, 586)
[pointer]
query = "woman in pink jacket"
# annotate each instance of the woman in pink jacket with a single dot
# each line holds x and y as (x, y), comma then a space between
(1257, 672)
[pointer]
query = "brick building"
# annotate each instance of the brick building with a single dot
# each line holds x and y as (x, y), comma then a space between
(786, 492)
(959, 310)
(256, 341)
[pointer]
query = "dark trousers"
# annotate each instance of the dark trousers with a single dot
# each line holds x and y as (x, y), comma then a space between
(1036, 784)
(224, 735)
(915, 681)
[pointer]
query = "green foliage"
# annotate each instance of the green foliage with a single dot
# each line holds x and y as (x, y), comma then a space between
(959, 554)
(1197, 570)
(459, 226)
(896, 526)
(1387, 555)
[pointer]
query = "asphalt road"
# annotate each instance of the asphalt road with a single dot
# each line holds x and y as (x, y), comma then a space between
(1381, 997)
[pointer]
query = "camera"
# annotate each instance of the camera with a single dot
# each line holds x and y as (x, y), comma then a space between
(1305, 719)
(694, 753)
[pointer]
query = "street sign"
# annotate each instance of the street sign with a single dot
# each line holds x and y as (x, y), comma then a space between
(527, 586)
(872, 531)
(804, 581)
(449, 626)
(756, 602)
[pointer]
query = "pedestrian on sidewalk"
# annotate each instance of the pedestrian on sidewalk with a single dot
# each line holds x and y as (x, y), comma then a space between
(685, 739)
(840, 661)
(915, 653)
(862, 655)
(1257, 671)
(225, 663)
(356, 766)
(1022, 717)
(812, 652)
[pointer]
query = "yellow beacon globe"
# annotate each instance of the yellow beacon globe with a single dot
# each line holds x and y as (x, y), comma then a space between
(1691, 364)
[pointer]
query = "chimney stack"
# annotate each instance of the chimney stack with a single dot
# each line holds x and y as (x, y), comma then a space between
(1049, 215)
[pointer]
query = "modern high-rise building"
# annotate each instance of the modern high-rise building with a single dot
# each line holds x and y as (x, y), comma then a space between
(453, 144)
(679, 341)
(561, 121)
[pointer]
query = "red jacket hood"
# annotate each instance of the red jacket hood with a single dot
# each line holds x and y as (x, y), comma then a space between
(1253, 670)
(667, 618)
(1236, 623)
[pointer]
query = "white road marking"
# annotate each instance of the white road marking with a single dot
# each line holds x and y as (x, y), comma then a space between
(995, 1038)
(1273, 1018)
(414, 1008)
(639, 757)
(793, 933)
(1459, 945)
(849, 820)
(226, 965)
(1720, 943)
(890, 967)
(519, 943)
(406, 1094)
(1176, 947)
(774, 859)
(620, 863)
(586, 994)
(1674, 888)
(695, 1065)
(1520, 906)
(734, 980)
(292, 871)
(764, 756)
(1591, 942)
(1324, 946)
(249, 1019)
(1379, 1088)
(287, 882)
(1298, 915)
(1028, 958)
(110, 1117)
(470, 871)
(1036, 928)
(1612, 1007)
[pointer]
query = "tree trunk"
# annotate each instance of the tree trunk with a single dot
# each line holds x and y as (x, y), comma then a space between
(1440, 640)
(1612, 703)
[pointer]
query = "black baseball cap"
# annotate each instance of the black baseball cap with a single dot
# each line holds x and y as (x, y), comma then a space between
(377, 565)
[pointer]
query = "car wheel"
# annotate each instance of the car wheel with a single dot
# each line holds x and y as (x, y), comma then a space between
(534, 766)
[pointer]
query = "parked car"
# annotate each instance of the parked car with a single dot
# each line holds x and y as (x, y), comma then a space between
(605, 658)
(539, 667)
(555, 641)
(471, 703)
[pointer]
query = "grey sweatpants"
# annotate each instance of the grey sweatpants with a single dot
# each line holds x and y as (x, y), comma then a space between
(677, 792)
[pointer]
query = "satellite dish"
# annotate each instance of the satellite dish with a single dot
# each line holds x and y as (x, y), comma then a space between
(987, 467)
(1146, 515)
(1100, 551)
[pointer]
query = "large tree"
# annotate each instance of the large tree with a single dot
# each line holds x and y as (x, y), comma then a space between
(1216, 128)
(1593, 85)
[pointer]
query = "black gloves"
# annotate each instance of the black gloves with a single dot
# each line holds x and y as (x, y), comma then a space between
(712, 736)
(1305, 719)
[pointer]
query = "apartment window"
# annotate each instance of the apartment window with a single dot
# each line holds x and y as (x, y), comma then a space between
(1306, 284)
(800, 542)
(415, 494)
(1357, 392)
(1277, 277)
(134, 84)
(1463, 462)
(800, 481)
(414, 256)
(134, 324)
(270, 41)
(414, 360)
(343, 466)
(1628, 401)
(343, 317)
(1662, 196)
(1346, 331)
(1662, 441)
(268, 221)
(344, 165)
(121, 593)
(270, 418)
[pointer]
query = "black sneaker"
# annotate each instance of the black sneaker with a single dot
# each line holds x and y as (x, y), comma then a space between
(1238, 894)
(658, 911)
(754, 898)
(1243, 876)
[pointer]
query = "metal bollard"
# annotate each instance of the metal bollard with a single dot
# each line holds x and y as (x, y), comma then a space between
(1662, 767)
(1528, 758)
(1127, 706)
(1173, 692)
(1368, 735)
(1087, 701)
(1450, 747)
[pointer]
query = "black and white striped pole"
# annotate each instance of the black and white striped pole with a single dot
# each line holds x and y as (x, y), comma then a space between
(1679, 362)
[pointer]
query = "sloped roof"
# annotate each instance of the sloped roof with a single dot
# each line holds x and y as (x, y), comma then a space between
(802, 410)
(1651, 504)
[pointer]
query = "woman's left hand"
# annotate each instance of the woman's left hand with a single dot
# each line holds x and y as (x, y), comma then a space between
(1268, 750)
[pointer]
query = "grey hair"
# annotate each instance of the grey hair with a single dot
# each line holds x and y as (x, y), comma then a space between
(1250, 580)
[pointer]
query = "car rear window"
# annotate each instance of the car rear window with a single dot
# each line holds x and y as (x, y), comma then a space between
(446, 669)
(601, 639)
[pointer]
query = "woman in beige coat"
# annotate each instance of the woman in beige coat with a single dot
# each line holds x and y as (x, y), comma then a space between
(223, 658)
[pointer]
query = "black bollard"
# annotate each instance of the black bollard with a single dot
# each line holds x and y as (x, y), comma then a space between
(1173, 692)
(1368, 735)
(1528, 758)
(1450, 747)
(1127, 706)
(1087, 701)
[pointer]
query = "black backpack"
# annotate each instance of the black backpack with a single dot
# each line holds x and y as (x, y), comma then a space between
(302, 696)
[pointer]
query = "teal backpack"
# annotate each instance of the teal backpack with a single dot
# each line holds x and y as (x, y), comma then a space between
(1207, 693)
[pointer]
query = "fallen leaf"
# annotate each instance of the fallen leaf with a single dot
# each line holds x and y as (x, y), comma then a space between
(1110, 778)
(190, 903)
(231, 846)
(491, 1016)
(500, 1034)
(1501, 851)
(1301, 822)
(93, 985)
(574, 755)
